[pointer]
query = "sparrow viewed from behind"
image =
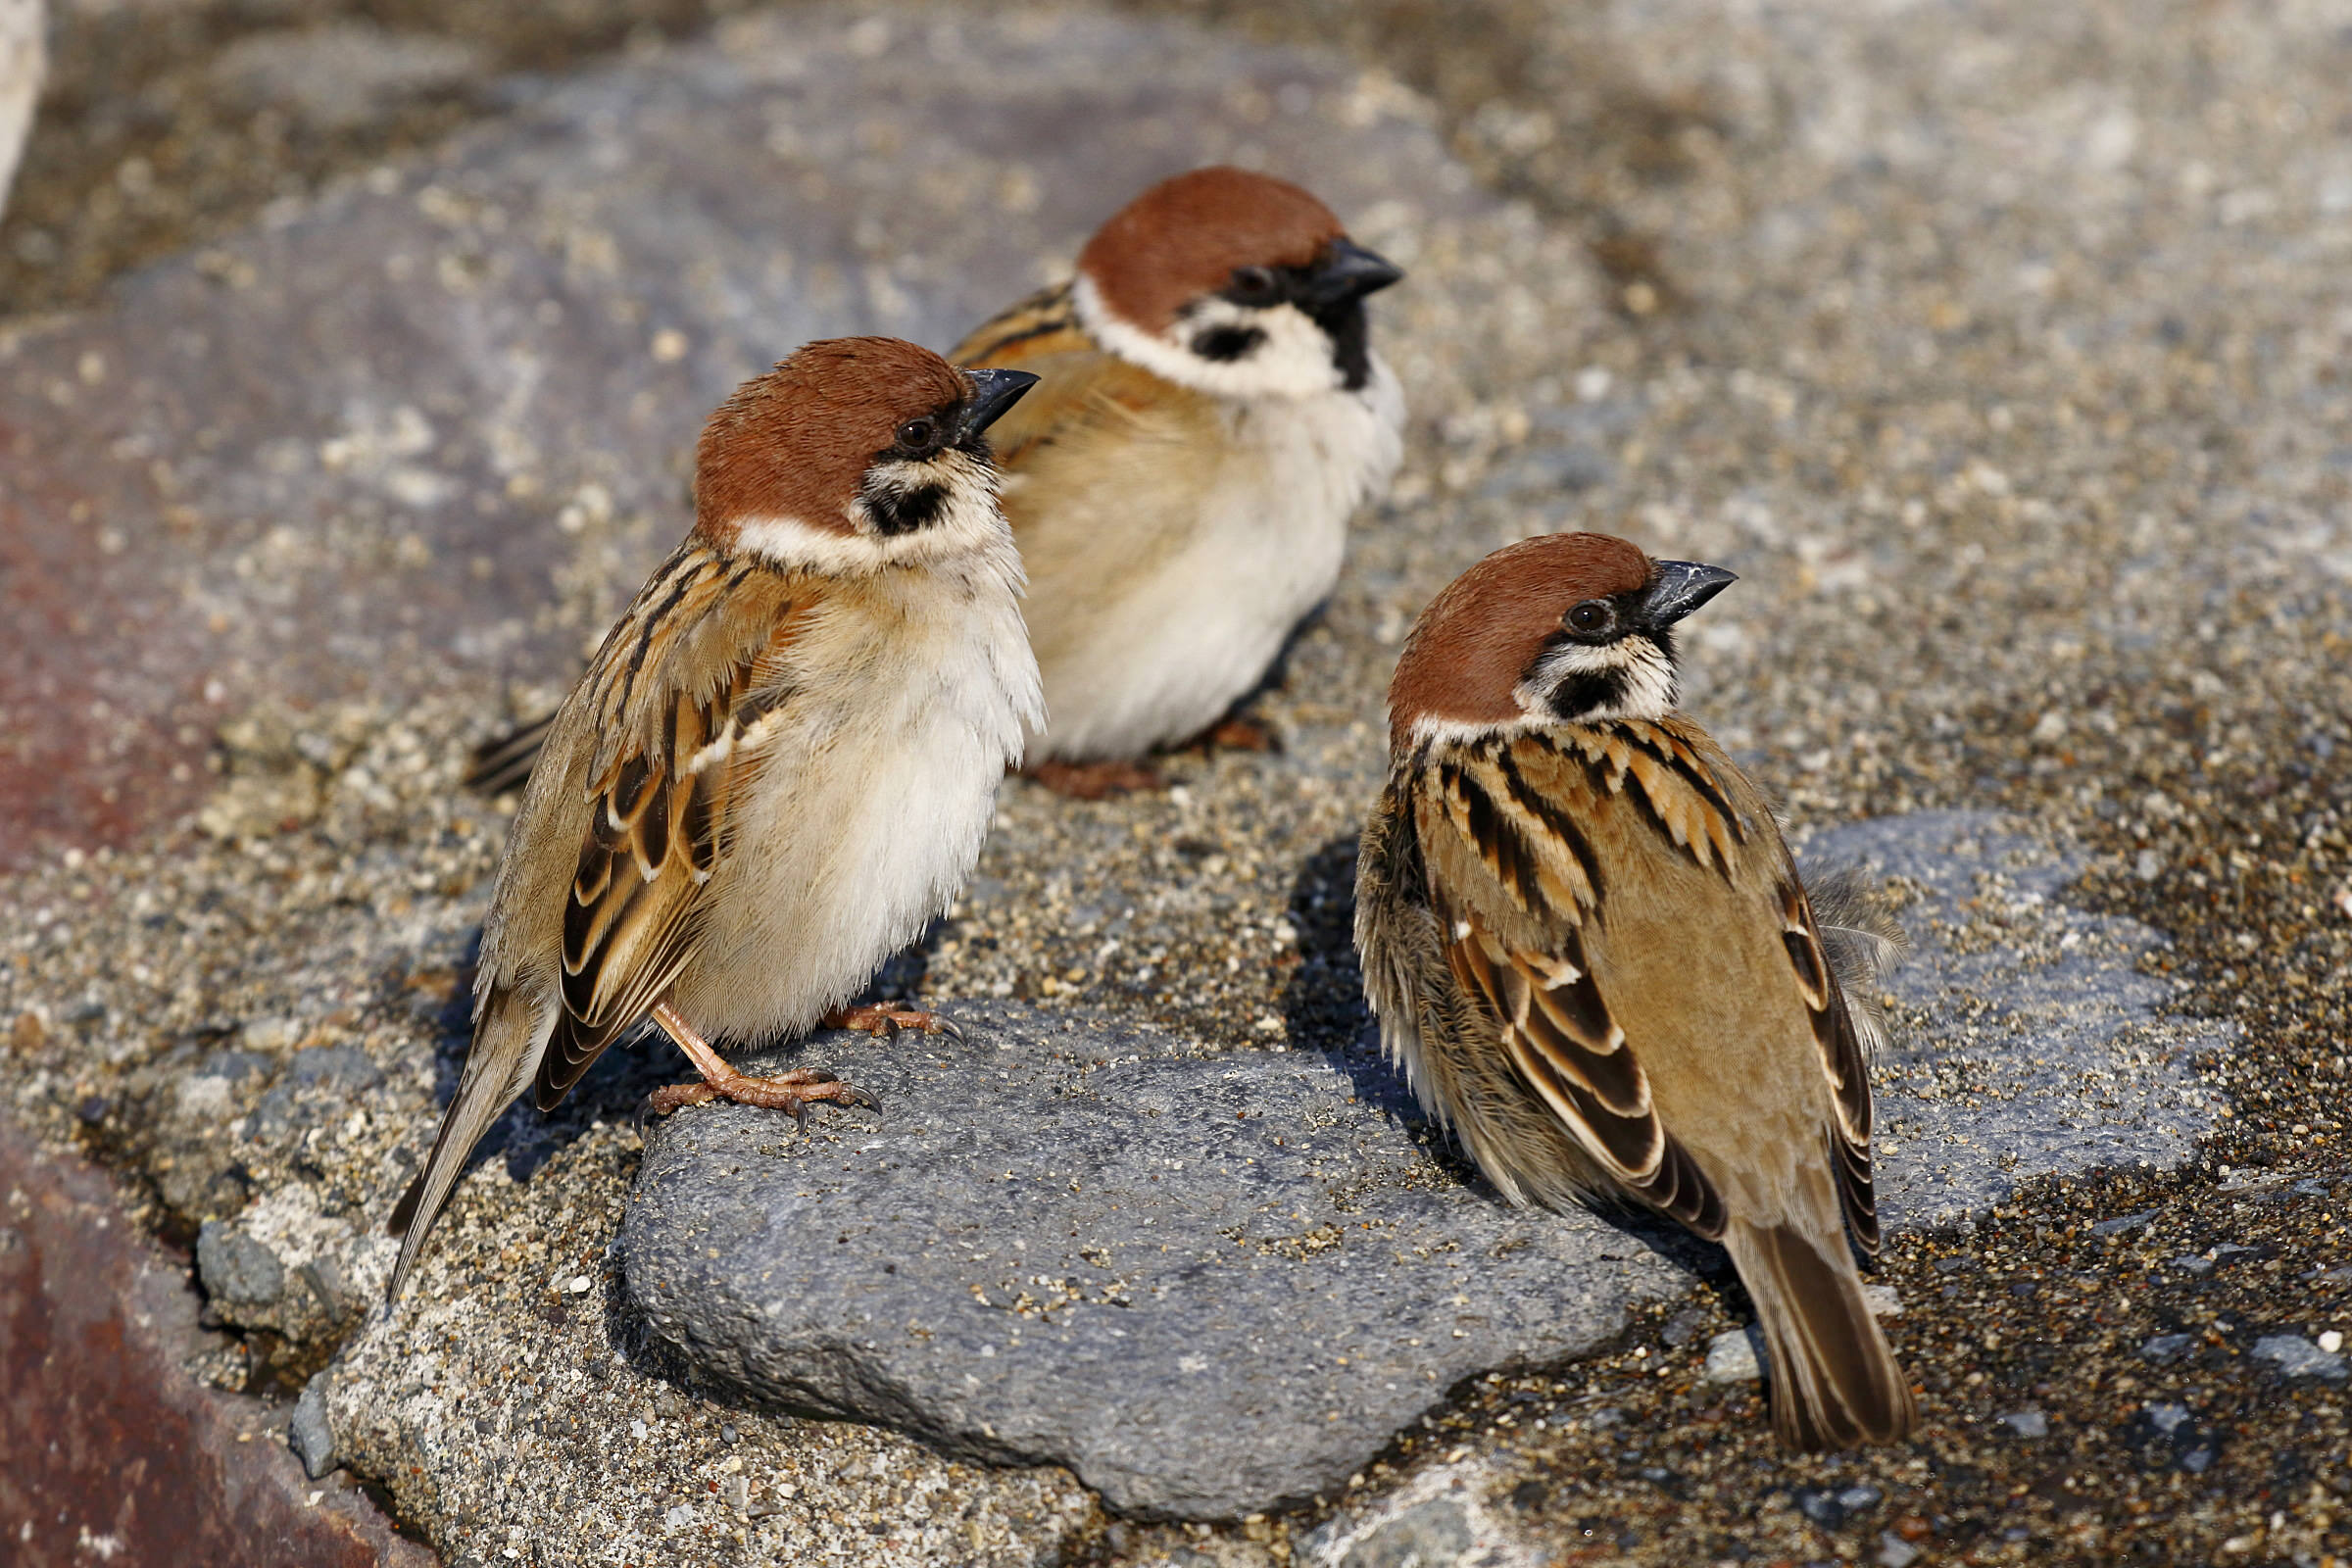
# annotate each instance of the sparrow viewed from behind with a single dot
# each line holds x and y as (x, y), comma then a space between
(1210, 415)
(781, 762)
(1591, 953)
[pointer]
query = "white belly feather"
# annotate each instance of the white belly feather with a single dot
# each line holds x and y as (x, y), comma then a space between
(874, 804)
(1197, 631)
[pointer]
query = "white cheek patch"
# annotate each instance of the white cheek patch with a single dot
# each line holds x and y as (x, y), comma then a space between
(966, 519)
(1643, 677)
(1292, 356)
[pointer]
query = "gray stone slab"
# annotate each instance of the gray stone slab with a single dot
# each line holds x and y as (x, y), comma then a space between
(2033, 1037)
(1211, 1284)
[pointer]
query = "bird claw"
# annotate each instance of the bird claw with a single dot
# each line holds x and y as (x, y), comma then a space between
(884, 1019)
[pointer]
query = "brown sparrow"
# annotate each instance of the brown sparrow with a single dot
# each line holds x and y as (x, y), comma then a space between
(780, 764)
(1588, 950)
(1211, 413)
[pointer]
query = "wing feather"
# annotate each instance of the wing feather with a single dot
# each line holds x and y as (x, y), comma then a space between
(672, 690)
(1843, 1064)
(1521, 952)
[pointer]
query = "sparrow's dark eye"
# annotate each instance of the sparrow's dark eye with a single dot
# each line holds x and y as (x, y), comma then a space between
(1253, 285)
(1593, 619)
(918, 435)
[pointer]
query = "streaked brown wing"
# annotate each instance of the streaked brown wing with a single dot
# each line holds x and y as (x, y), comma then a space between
(1081, 388)
(1515, 882)
(1046, 322)
(1843, 1060)
(1673, 773)
(678, 693)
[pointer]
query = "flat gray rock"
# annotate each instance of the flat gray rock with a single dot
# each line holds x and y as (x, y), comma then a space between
(1214, 1284)
(1208, 1284)
(2030, 1037)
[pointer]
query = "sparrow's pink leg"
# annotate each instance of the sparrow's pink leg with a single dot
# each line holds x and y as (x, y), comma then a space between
(1095, 781)
(884, 1019)
(793, 1091)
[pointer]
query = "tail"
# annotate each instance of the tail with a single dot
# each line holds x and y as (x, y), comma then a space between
(508, 1035)
(1834, 1383)
(504, 762)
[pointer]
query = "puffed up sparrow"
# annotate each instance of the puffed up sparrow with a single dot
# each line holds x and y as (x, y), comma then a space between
(780, 764)
(1211, 413)
(1588, 947)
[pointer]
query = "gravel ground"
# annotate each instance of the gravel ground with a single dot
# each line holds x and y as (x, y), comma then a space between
(2000, 347)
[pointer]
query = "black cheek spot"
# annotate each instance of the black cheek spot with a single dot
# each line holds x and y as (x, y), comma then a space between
(1579, 694)
(908, 510)
(1225, 344)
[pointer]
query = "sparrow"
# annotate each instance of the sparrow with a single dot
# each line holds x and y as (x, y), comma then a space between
(1590, 951)
(1211, 413)
(780, 763)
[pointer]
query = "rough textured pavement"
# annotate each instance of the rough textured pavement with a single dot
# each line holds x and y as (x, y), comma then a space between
(1999, 347)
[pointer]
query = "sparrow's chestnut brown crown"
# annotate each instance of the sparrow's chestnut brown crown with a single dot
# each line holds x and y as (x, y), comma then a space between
(797, 443)
(1217, 229)
(1495, 625)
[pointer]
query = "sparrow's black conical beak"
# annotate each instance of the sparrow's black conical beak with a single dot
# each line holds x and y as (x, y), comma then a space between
(992, 392)
(1346, 272)
(1679, 587)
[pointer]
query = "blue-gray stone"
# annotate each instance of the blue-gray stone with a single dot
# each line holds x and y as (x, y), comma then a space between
(1211, 1284)
(308, 1432)
(236, 1269)
(2297, 1357)
(1208, 1284)
(2046, 1048)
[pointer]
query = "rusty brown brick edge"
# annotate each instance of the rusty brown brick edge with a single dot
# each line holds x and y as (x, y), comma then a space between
(106, 1447)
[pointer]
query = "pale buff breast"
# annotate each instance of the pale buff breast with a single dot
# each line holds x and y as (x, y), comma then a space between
(873, 802)
(1180, 551)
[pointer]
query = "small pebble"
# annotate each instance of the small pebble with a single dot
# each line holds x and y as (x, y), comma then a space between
(2298, 1357)
(1732, 1358)
(2123, 1222)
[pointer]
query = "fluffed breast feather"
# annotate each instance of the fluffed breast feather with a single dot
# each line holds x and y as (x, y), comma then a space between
(1503, 867)
(643, 768)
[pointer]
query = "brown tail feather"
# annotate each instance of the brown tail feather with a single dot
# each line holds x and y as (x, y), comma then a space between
(1834, 1383)
(507, 1039)
(504, 762)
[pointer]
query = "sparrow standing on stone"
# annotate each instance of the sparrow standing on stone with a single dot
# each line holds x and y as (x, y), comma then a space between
(782, 761)
(1590, 951)
(1210, 416)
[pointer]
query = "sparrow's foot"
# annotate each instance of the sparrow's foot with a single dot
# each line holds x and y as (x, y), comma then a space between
(1240, 735)
(883, 1019)
(794, 1090)
(1097, 781)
